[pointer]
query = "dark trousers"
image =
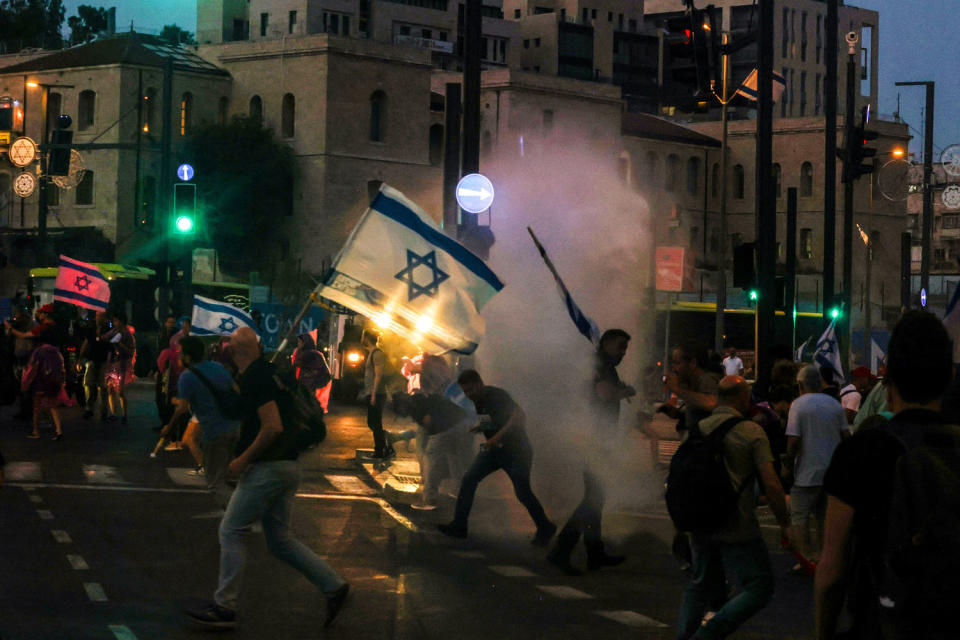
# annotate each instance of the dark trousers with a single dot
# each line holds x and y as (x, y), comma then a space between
(585, 519)
(375, 422)
(517, 463)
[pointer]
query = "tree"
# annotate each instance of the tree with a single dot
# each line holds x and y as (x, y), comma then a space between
(175, 35)
(88, 22)
(30, 23)
(244, 188)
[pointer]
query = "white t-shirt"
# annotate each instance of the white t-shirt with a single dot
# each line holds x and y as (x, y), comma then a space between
(818, 420)
(850, 398)
(732, 366)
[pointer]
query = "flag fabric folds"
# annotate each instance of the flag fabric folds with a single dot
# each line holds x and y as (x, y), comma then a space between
(82, 284)
(215, 318)
(951, 320)
(399, 269)
(827, 354)
(749, 87)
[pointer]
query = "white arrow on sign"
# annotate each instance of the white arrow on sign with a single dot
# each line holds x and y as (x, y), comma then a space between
(483, 194)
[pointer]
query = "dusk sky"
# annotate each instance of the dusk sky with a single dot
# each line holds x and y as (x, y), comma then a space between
(915, 40)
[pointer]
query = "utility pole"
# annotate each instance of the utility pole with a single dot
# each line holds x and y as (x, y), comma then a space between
(849, 127)
(722, 259)
(790, 282)
(766, 207)
(867, 319)
(166, 190)
(830, 158)
(451, 158)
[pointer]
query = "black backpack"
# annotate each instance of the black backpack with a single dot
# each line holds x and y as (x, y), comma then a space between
(301, 412)
(700, 494)
(920, 577)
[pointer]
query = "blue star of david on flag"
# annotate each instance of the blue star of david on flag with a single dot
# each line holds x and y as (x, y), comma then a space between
(227, 325)
(414, 288)
(82, 283)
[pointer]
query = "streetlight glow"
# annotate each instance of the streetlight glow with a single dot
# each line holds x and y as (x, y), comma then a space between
(33, 85)
(898, 153)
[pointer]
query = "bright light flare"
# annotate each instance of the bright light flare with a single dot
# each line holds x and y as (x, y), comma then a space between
(382, 319)
(898, 153)
(33, 85)
(353, 357)
(184, 224)
(424, 324)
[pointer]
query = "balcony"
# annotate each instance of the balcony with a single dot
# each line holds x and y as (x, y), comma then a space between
(424, 43)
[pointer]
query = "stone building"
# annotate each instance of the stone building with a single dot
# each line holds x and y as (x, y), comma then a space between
(945, 258)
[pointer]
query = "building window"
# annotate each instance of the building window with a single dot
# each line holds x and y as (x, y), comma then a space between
(86, 109)
(53, 194)
(785, 33)
(792, 94)
(264, 22)
(526, 44)
(593, 14)
(291, 21)
(806, 180)
(652, 168)
(536, 42)
(148, 201)
(816, 97)
(803, 36)
(806, 244)
(85, 189)
(256, 109)
(223, 109)
(609, 16)
(736, 239)
(150, 109)
(693, 175)
(563, 15)
(288, 116)
(777, 174)
(54, 109)
(620, 21)
(378, 116)
(186, 114)
(819, 37)
(803, 93)
(516, 14)
(632, 25)
(586, 15)
(785, 96)
(672, 176)
(714, 240)
(738, 182)
(547, 121)
(715, 180)
(436, 144)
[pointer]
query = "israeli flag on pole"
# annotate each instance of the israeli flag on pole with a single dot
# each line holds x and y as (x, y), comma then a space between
(400, 270)
(827, 354)
(749, 87)
(951, 320)
(802, 350)
(215, 318)
(82, 284)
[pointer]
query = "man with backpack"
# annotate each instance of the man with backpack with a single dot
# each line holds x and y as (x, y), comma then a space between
(716, 504)
(893, 504)
(266, 464)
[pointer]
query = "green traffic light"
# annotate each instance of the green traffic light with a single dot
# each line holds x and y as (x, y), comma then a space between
(754, 294)
(184, 224)
(835, 313)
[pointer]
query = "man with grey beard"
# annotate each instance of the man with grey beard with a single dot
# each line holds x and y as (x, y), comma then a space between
(605, 395)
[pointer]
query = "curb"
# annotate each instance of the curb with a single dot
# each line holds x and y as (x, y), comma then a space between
(398, 478)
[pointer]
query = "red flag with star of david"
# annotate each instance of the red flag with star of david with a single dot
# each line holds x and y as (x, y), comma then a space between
(82, 284)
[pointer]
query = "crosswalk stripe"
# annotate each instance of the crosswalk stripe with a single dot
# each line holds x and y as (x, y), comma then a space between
(102, 474)
(36, 499)
(564, 592)
(77, 562)
(95, 591)
(182, 476)
(122, 632)
(61, 536)
(350, 484)
(22, 471)
(631, 618)
(45, 514)
(512, 572)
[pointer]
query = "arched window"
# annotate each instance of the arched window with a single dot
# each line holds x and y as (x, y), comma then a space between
(85, 189)
(256, 109)
(738, 182)
(86, 109)
(186, 114)
(652, 168)
(806, 244)
(436, 144)
(715, 180)
(149, 112)
(672, 176)
(777, 175)
(693, 175)
(223, 108)
(806, 180)
(714, 240)
(288, 115)
(53, 194)
(378, 116)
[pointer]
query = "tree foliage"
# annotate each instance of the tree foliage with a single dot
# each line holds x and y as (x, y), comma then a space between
(88, 22)
(30, 23)
(244, 179)
(175, 35)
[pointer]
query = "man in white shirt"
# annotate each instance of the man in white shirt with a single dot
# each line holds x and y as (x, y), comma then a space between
(732, 365)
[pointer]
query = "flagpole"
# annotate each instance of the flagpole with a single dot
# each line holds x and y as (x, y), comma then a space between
(546, 259)
(293, 327)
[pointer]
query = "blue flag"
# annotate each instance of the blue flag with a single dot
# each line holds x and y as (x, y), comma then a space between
(215, 318)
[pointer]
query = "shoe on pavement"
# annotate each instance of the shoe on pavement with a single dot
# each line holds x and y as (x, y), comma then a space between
(153, 454)
(562, 562)
(544, 534)
(335, 603)
(452, 530)
(196, 472)
(87, 414)
(600, 561)
(173, 446)
(57, 437)
(423, 506)
(213, 616)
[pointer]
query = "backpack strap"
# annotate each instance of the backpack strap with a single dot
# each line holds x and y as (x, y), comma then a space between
(718, 434)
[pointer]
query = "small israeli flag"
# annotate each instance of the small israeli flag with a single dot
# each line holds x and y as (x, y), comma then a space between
(749, 87)
(215, 318)
(951, 320)
(827, 354)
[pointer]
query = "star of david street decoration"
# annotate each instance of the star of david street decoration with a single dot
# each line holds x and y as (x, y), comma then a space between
(82, 283)
(414, 288)
(228, 325)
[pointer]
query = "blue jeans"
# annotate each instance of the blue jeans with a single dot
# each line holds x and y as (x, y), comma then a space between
(265, 492)
(749, 562)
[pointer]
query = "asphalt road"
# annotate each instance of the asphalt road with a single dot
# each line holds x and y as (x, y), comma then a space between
(97, 540)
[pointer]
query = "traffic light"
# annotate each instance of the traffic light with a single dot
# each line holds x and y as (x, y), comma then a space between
(6, 114)
(184, 208)
(693, 45)
(856, 152)
(753, 294)
(59, 158)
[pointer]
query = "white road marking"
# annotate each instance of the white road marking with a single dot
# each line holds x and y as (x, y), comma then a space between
(469, 554)
(23, 472)
(107, 487)
(45, 514)
(61, 536)
(383, 504)
(209, 515)
(77, 562)
(95, 592)
(564, 592)
(182, 476)
(631, 618)
(350, 484)
(122, 632)
(512, 572)
(36, 499)
(102, 474)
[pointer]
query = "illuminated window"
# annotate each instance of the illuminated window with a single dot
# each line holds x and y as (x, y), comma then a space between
(186, 114)
(148, 111)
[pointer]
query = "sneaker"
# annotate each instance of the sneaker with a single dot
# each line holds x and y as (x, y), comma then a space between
(196, 472)
(87, 414)
(544, 534)
(599, 561)
(153, 454)
(562, 562)
(335, 603)
(173, 446)
(423, 506)
(33, 436)
(213, 616)
(57, 437)
(453, 530)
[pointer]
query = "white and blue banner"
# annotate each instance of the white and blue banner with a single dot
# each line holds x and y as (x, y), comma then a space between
(749, 87)
(827, 354)
(951, 320)
(400, 270)
(82, 284)
(215, 318)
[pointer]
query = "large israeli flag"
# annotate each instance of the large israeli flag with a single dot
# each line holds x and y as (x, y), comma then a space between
(951, 320)
(412, 280)
(215, 318)
(827, 354)
(82, 284)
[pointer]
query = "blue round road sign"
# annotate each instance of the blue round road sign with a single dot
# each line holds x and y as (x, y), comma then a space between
(185, 172)
(474, 193)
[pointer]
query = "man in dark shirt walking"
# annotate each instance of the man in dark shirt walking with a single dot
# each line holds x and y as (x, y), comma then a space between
(266, 463)
(605, 395)
(507, 447)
